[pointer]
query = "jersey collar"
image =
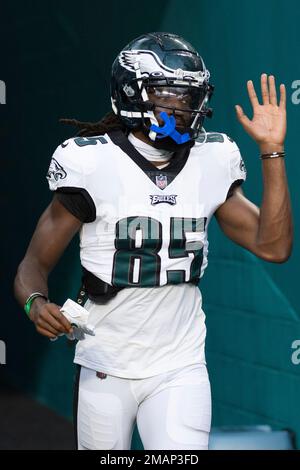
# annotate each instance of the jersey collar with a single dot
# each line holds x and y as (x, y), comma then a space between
(175, 166)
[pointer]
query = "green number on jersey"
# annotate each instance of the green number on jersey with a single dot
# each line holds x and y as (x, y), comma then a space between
(83, 141)
(180, 247)
(136, 262)
(138, 241)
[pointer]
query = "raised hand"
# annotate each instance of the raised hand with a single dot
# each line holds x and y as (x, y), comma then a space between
(268, 124)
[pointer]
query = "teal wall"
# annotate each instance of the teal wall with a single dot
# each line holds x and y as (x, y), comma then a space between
(252, 306)
(57, 65)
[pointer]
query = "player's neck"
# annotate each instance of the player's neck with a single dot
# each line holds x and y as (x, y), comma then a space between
(141, 136)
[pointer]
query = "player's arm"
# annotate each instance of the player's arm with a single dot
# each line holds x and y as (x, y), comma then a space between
(265, 231)
(54, 231)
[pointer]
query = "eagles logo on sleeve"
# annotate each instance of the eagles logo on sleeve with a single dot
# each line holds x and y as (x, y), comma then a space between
(243, 166)
(55, 172)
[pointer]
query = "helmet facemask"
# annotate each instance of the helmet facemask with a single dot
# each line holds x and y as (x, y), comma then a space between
(183, 103)
(186, 102)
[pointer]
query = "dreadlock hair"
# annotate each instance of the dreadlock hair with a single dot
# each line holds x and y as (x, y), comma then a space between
(109, 122)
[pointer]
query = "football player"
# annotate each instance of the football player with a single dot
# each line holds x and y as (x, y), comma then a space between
(141, 187)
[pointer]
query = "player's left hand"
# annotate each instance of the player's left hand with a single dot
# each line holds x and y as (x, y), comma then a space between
(268, 125)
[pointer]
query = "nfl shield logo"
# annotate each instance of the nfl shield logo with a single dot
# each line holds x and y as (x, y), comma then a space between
(161, 181)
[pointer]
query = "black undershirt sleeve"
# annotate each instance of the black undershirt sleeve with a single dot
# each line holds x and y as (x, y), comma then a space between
(232, 187)
(77, 201)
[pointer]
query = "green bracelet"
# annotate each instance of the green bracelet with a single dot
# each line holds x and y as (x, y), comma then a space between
(31, 298)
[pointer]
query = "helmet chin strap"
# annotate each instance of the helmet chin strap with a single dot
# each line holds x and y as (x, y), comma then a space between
(168, 130)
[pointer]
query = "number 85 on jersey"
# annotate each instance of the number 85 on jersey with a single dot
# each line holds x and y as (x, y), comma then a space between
(149, 254)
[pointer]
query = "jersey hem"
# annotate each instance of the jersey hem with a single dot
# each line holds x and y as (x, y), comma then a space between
(117, 373)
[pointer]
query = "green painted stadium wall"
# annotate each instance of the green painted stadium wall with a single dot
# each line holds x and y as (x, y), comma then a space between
(252, 306)
(57, 65)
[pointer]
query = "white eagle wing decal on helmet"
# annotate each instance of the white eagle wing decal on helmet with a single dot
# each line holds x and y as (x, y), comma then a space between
(147, 62)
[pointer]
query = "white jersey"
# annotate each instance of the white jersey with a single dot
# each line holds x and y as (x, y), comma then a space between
(149, 237)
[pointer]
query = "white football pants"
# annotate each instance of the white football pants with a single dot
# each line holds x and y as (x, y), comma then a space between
(172, 410)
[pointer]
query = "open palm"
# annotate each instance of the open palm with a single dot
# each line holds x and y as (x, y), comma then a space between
(268, 125)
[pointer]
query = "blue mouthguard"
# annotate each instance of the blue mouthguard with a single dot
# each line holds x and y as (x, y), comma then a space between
(168, 129)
